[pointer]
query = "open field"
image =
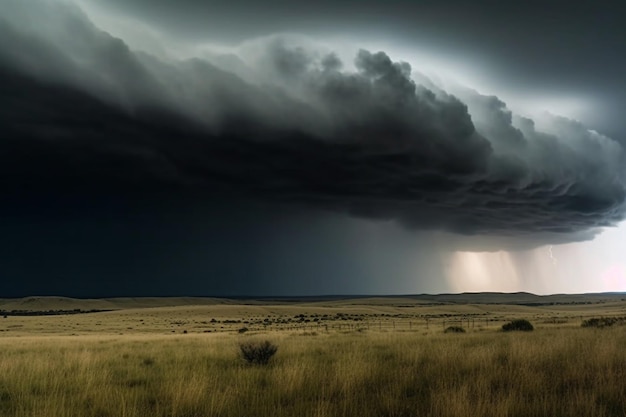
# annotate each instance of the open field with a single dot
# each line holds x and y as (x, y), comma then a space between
(336, 357)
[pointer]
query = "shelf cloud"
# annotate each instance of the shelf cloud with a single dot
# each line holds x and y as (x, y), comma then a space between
(284, 119)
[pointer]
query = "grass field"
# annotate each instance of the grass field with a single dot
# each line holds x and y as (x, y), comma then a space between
(360, 358)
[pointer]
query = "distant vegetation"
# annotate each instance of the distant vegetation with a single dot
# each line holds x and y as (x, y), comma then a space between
(519, 325)
(22, 313)
(604, 322)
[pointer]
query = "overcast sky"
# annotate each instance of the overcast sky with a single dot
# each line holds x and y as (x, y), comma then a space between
(276, 148)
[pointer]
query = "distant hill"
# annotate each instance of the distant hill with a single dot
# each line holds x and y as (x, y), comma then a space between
(65, 304)
(69, 304)
(523, 298)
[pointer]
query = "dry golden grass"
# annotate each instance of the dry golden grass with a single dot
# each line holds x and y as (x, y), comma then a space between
(556, 372)
(559, 369)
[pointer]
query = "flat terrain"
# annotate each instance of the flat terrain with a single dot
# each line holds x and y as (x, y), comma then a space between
(376, 356)
(33, 316)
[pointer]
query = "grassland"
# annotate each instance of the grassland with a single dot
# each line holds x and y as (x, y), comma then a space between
(363, 357)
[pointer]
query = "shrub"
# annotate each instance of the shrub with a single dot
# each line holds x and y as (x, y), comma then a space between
(454, 329)
(258, 353)
(602, 322)
(243, 330)
(518, 325)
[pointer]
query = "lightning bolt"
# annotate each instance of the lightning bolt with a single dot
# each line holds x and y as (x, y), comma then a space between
(551, 255)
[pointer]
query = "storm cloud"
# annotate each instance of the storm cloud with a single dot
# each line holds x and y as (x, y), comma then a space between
(289, 121)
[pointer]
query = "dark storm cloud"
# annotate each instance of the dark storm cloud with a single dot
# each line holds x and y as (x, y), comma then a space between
(522, 48)
(84, 114)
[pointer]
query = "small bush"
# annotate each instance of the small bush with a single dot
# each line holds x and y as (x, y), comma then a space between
(519, 325)
(243, 330)
(454, 329)
(258, 353)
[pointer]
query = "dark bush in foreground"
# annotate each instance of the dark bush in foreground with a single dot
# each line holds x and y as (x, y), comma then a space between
(519, 325)
(603, 322)
(454, 329)
(258, 352)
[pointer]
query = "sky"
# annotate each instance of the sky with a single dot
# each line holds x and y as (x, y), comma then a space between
(244, 148)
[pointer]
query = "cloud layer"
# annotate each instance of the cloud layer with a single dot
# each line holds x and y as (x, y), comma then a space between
(286, 120)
